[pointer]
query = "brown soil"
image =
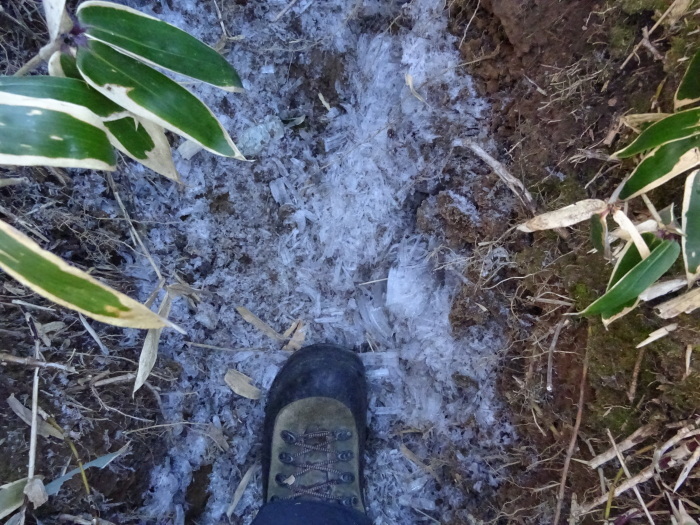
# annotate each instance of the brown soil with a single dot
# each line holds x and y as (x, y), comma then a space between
(551, 71)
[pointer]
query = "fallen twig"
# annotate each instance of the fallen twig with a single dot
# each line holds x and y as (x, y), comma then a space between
(635, 438)
(30, 361)
(629, 476)
(499, 169)
(572, 443)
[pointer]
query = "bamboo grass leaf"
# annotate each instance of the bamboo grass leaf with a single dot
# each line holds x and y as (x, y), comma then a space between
(675, 127)
(691, 227)
(62, 64)
(157, 43)
(661, 165)
(153, 96)
(48, 132)
(689, 89)
(626, 290)
(54, 279)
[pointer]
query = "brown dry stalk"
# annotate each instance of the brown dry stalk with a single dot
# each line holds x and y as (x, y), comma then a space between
(30, 361)
(574, 436)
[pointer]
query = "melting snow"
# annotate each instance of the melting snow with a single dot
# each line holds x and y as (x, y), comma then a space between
(321, 227)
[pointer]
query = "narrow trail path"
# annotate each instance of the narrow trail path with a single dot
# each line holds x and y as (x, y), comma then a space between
(321, 227)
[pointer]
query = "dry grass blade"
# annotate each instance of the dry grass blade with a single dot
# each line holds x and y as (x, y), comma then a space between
(13, 181)
(43, 428)
(658, 334)
(683, 304)
(629, 476)
(240, 490)
(687, 468)
(242, 385)
(296, 334)
(409, 455)
(662, 288)
(30, 361)
(149, 352)
(635, 438)
(90, 330)
(409, 82)
(258, 323)
(628, 226)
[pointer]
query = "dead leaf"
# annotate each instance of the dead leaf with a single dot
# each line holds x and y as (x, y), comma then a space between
(149, 352)
(258, 323)
(296, 334)
(658, 334)
(217, 436)
(43, 428)
(240, 489)
(683, 304)
(242, 385)
(662, 288)
(628, 226)
(36, 492)
(567, 216)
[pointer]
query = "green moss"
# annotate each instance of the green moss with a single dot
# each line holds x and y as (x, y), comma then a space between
(633, 7)
(621, 40)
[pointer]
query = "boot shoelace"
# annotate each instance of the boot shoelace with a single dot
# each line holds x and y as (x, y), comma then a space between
(318, 441)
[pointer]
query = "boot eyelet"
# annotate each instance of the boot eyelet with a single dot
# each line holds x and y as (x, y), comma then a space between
(347, 477)
(345, 455)
(288, 437)
(343, 435)
(280, 479)
(350, 501)
(286, 458)
(274, 498)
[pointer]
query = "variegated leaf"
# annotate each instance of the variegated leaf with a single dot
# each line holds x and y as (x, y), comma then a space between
(153, 96)
(54, 279)
(661, 165)
(689, 89)
(44, 132)
(156, 42)
(691, 227)
(675, 127)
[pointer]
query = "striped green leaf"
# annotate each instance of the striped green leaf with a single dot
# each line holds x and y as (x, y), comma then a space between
(62, 64)
(675, 127)
(599, 234)
(629, 257)
(691, 227)
(157, 43)
(153, 96)
(689, 89)
(62, 89)
(661, 165)
(143, 141)
(51, 277)
(627, 289)
(42, 132)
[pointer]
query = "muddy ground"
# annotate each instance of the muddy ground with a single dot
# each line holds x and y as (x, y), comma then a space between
(551, 71)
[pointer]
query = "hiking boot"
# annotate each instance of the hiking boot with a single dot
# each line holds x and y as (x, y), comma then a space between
(315, 428)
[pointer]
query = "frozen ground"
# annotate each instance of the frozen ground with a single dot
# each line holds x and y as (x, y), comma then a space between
(321, 227)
